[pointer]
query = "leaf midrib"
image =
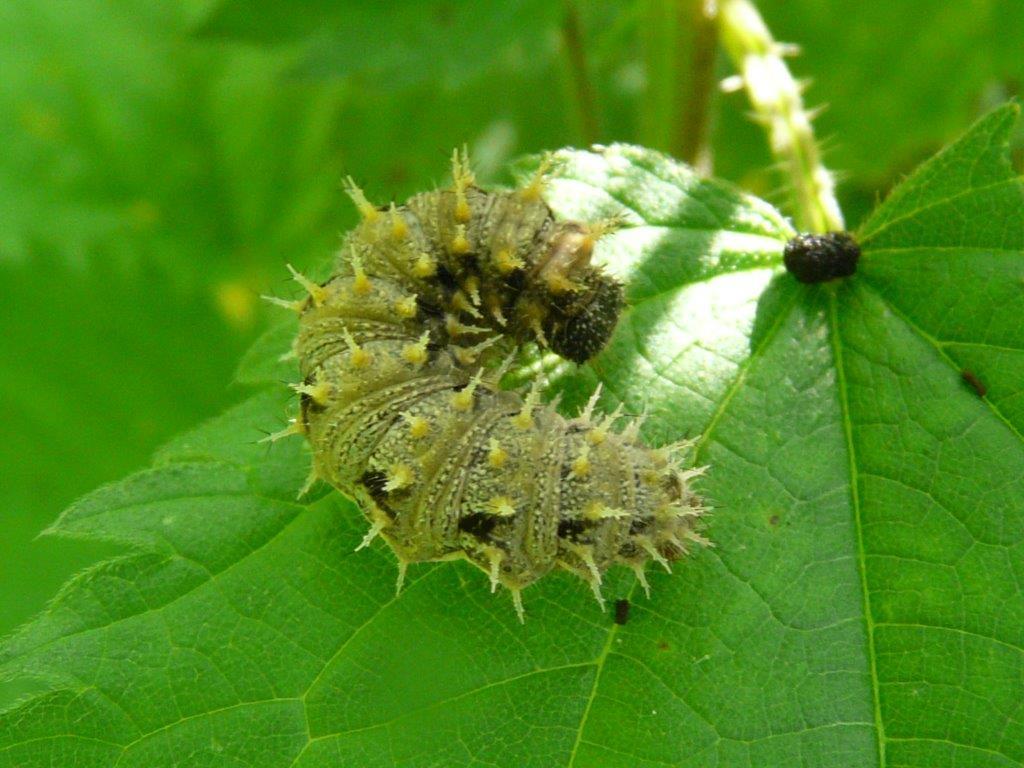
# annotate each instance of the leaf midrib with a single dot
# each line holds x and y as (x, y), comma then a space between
(600, 662)
(842, 393)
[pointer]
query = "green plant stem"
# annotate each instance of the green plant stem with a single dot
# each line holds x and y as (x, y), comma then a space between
(691, 141)
(775, 96)
(586, 104)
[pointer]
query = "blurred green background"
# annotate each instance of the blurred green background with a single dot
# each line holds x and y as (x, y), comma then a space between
(161, 160)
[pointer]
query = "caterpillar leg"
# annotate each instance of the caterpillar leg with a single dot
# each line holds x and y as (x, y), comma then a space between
(650, 549)
(638, 569)
(494, 557)
(316, 291)
(534, 189)
(371, 534)
(367, 210)
(311, 479)
(293, 305)
(593, 577)
(295, 427)
(403, 566)
(517, 602)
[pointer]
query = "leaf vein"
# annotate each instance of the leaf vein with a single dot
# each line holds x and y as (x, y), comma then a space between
(935, 204)
(844, 405)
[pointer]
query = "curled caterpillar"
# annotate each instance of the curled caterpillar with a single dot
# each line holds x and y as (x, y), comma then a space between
(402, 352)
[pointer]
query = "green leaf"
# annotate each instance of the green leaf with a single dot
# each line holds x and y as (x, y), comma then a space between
(862, 605)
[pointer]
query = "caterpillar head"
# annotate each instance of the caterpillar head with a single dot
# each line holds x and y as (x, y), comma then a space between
(582, 303)
(580, 327)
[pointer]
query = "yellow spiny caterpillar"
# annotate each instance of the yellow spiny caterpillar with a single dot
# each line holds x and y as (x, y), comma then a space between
(402, 351)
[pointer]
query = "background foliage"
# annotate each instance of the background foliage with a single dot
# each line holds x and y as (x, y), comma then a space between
(163, 160)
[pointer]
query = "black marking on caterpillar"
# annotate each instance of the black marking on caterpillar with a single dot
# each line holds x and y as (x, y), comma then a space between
(401, 353)
(621, 611)
(971, 378)
(817, 258)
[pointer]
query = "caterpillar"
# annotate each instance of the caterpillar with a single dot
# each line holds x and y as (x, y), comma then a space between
(402, 352)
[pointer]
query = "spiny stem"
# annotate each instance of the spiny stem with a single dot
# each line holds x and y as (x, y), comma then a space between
(775, 96)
